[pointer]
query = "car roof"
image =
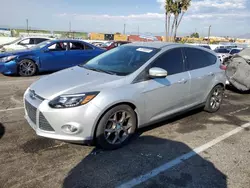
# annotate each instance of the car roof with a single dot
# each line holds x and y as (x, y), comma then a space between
(161, 45)
(67, 40)
(35, 37)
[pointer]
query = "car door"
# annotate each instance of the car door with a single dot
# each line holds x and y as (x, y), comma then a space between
(165, 96)
(53, 57)
(79, 53)
(202, 67)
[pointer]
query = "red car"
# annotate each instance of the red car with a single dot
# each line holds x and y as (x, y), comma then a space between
(113, 44)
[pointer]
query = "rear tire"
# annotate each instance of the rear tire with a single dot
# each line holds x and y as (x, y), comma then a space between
(116, 127)
(27, 67)
(214, 99)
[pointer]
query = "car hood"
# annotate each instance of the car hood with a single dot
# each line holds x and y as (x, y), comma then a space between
(16, 52)
(74, 80)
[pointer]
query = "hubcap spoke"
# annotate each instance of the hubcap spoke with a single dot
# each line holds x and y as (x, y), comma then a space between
(118, 127)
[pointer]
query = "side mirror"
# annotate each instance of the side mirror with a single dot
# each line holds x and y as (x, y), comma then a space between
(156, 72)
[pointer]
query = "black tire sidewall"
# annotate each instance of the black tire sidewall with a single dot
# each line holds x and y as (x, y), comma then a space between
(100, 139)
(18, 68)
(208, 107)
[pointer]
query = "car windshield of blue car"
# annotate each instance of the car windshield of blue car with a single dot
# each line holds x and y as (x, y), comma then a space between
(121, 61)
(40, 45)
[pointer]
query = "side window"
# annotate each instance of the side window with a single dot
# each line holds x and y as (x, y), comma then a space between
(198, 58)
(211, 58)
(87, 47)
(171, 61)
(39, 40)
(59, 46)
(24, 42)
(76, 46)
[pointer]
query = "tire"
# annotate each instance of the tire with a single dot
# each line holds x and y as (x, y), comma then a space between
(116, 127)
(214, 99)
(27, 67)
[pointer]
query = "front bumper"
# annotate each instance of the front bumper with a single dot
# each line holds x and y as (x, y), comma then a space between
(48, 122)
(8, 68)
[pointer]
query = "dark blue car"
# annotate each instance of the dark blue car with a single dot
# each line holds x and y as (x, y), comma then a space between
(47, 56)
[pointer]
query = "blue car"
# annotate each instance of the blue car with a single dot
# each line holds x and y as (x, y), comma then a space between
(50, 55)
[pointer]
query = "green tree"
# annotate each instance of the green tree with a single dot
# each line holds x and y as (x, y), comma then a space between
(195, 35)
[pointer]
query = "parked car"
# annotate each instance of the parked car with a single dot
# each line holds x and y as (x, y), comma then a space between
(129, 87)
(111, 45)
(222, 53)
(234, 51)
(50, 55)
(205, 46)
(22, 43)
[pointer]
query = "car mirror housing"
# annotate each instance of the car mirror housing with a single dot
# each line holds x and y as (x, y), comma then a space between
(156, 72)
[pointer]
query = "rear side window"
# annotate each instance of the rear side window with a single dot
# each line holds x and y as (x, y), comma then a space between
(39, 40)
(79, 46)
(171, 61)
(197, 58)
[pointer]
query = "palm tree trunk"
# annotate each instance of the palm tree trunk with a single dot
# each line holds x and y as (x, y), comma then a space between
(166, 27)
(175, 29)
(169, 17)
(180, 19)
(172, 29)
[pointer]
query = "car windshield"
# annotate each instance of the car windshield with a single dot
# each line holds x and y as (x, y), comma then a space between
(106, 44)
(121, 61)
(41, 45)
(222, 50)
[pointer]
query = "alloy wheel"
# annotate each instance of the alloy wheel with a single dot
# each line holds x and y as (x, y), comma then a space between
(118, 127)
(216, 98)
(27, 68)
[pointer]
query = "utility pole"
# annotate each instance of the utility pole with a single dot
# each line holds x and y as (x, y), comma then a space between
(69, 28)
(124, 29)
(27, 25)
(209, 32)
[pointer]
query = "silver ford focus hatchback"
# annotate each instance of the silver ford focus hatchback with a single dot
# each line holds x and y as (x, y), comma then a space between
(108, 98)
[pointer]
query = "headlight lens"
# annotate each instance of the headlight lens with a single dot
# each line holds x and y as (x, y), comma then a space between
(69, 101)
(7, 59)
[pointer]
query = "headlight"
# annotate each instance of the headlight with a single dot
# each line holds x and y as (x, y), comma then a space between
(7, 59)
(68, 101)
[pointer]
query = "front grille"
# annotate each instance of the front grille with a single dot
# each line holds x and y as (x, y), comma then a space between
(44, 124)
(31, 111)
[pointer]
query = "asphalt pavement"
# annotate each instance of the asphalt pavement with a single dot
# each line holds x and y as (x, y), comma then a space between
(196, 149)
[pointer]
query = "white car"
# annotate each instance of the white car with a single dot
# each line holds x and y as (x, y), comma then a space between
(22, 43)
(222, 53)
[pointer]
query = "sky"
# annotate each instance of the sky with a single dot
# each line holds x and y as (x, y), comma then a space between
(227, 17)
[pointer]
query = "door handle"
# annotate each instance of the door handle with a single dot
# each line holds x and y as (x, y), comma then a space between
(211, 74)
(182, 81)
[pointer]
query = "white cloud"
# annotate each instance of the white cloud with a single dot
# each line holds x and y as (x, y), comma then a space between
(220, 4)
(146, 16)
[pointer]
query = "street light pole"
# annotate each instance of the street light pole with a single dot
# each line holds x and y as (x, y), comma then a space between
(209, 32)
(27, 25)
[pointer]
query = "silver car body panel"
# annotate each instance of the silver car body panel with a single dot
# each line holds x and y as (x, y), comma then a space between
(152, 99)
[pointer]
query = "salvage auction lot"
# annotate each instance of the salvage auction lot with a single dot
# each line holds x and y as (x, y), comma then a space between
(27, 160)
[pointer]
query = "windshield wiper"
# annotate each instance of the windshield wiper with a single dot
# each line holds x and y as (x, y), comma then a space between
(99, 70)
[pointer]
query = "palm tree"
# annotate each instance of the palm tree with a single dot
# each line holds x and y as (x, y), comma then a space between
(184, 7)
(168, 8)
(175, 10)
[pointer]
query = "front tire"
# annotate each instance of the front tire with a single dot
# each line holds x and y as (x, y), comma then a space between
(214, 99)
(26, 68)
(116, 127)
